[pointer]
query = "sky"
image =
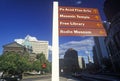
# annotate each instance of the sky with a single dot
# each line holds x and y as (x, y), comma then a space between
(19, 18)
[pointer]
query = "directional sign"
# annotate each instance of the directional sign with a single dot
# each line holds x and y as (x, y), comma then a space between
(78, 10)
(74, 21)
(79, 17)
(80, 24)
(81, 32)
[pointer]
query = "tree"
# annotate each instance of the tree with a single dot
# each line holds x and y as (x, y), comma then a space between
(13, 63)
(36, 65)
(48, 67)
(41, 58)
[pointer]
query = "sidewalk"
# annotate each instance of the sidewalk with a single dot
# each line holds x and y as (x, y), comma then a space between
(100, 77)
(46, 77)
(63, 79)
(36, 76)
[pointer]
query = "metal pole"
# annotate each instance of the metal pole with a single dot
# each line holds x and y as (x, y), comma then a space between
(55, 44)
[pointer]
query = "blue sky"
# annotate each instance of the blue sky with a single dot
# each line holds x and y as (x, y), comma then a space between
(19, 18)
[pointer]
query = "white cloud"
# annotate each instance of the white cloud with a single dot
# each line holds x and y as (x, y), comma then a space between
(50, 53)
(20, 41)
(30, 38)
(79, 2)
(84, 45)
(50, 47)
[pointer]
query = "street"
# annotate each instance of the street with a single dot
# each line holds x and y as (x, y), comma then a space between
(84, 77)
(48, 78)
(38, 78)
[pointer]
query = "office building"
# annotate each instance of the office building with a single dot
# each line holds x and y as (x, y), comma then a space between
(36, 45)
(15, 47)
(40, 47)
(81, 62)
(95, 57)
(71, 61)
(112, 12)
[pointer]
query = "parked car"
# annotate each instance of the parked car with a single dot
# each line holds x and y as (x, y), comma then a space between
(11, 77)
(1, 73)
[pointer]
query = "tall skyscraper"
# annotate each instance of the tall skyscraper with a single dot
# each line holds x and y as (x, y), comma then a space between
(81, 62)
(100, 49)
(112, 12)
(71, 61)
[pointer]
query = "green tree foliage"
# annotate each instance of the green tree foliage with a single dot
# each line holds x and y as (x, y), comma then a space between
(12, 62)
(36, 65)
(48, 67)
(41, 57)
